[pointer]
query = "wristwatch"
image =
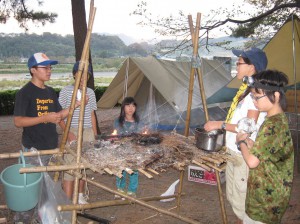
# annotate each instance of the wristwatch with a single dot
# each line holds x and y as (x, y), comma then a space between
(238, 144)
(223, 127)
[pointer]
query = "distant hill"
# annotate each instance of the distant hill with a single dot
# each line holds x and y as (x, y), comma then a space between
(22, 46)
(103, 46)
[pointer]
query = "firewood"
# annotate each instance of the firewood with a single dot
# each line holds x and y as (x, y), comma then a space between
(201, 165)
(145, 173)
(107, 170)
(153, 171)
(210, 160)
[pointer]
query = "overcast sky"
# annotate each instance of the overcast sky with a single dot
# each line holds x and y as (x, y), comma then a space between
(112, 16)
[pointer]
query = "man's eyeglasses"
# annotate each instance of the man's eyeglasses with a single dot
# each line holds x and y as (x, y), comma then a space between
(44, 67)
(240, 63)
(256, 98)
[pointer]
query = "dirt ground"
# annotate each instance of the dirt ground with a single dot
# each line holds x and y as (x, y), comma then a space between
(200, 202)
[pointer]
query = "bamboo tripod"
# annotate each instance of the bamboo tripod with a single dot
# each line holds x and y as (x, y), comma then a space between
(195, 69)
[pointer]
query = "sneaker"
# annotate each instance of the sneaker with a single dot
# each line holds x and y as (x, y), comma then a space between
(131, 194)
(82, 200)
(118, 196)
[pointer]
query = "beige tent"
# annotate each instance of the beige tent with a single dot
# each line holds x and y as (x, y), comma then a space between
(283, 51)
(160, 88)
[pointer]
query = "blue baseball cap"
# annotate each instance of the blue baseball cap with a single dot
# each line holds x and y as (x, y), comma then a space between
(256, 56)
(40, 59)
(76, 66)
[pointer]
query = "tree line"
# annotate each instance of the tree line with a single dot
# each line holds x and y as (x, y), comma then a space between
(54, 45)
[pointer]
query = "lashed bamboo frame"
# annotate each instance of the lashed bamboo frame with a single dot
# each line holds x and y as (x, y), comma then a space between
(75, 169)
(211, 162)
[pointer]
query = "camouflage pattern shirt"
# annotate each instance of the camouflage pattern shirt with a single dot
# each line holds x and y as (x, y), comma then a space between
(269, 184)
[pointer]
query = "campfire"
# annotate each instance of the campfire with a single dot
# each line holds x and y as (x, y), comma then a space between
(145, 138)
(157, 151)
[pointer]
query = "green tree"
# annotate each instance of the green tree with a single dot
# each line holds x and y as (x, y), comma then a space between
(22, 13)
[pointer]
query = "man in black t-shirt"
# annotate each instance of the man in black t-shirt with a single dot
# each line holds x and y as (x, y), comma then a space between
(37, 109)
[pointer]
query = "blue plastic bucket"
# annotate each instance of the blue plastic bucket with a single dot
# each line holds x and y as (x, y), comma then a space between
(21, 190)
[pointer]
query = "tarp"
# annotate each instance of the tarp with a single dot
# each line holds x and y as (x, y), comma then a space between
(160, 88)
(283, 51)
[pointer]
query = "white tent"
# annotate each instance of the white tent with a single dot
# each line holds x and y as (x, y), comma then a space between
(160, 88)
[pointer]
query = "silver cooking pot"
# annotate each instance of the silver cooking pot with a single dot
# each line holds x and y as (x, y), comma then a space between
(209, 141)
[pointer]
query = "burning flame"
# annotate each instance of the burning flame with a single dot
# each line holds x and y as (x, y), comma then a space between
(115, 132)
(145, 131)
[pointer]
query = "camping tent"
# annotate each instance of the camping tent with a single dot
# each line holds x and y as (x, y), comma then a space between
(283, 51)
(160, 88)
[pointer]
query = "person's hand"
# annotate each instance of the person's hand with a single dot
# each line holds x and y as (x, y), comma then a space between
(245, 136)
(241, 136)
(53, 117)
(212, 125)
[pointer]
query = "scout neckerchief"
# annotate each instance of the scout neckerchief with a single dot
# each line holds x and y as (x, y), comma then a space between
(235, 101)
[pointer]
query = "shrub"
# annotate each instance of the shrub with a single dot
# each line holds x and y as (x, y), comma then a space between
(7, 99)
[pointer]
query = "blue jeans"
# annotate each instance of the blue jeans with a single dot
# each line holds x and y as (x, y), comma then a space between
(133, 181)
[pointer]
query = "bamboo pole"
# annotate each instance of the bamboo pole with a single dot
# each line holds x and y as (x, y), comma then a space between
(101, 204)
(51, 168)
(198, 72)
(224, 215)
(84, 57)
(137, 201)
(26, 154)
(192, 77)
(180, 190)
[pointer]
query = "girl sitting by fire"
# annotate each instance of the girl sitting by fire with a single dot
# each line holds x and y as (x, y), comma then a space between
(126, 124)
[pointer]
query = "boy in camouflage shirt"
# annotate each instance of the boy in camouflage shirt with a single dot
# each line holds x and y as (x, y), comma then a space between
(271, 157)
